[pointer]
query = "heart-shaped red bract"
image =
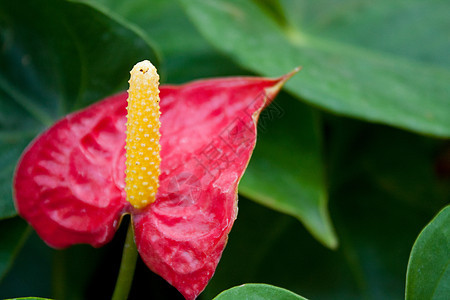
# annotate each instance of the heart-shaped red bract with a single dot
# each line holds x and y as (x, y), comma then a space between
(69, 183)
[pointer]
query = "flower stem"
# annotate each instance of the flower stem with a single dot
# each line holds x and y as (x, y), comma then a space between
(59, 275)
(127, 266)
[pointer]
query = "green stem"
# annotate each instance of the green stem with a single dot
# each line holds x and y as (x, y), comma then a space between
(127, 266)
(59, 274)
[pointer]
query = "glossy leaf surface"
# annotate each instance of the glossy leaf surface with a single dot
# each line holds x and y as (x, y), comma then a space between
(286, 169)
(29, 298)
(182, 59)
(354, 64)
(57, 67)
(74, 176)
(428, 274)
(258, 292)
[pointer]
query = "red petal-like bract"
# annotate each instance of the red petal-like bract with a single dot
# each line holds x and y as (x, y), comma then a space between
(66, 183)
(69, 183)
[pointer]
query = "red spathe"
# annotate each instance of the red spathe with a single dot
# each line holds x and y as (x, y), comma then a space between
(69, 183)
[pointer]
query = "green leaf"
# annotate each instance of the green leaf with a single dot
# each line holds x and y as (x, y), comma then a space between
(185, 54)
(350, 21)
(11, 145)
(286, 169)
(428, 275)
(378, 80)
(13, 233)
(257, 292)
(29, 298)
(74, 55)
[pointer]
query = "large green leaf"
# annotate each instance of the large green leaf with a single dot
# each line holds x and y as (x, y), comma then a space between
(393, 25)
(56, 57)
(258, 292)
(428, 274)
(185, 54)
(29, 298)
(354, 64)
(13, 233)
(11, 145)
(286, 169)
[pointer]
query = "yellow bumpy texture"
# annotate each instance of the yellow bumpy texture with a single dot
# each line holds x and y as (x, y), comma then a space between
(142, 144)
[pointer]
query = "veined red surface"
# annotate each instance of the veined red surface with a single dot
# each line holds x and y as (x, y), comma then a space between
(69, 183)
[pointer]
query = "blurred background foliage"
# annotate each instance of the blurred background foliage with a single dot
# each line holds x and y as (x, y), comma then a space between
(352, 160)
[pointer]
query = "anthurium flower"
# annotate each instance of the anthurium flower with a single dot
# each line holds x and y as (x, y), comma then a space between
(70, 182)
